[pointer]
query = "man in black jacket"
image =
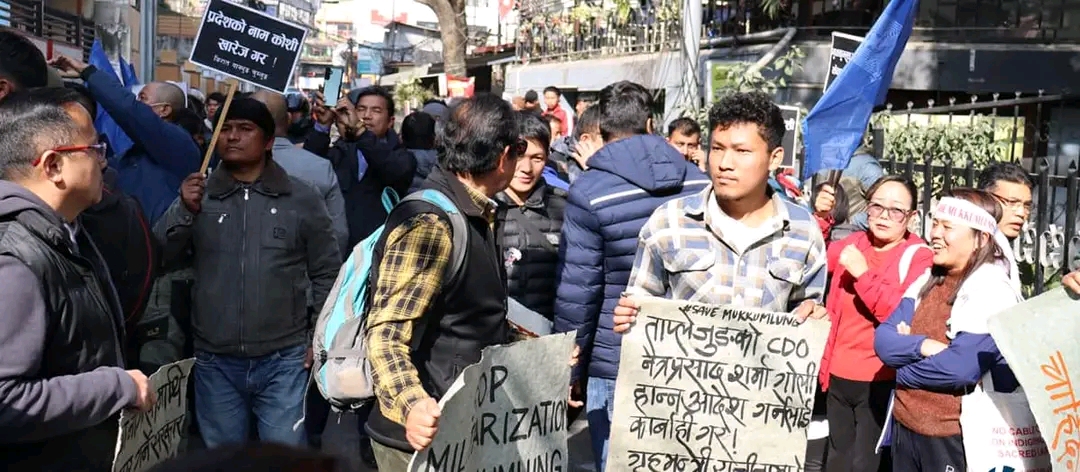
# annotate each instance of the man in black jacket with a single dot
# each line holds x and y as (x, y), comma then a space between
(368, 157)
(62, 377)
(256, 235)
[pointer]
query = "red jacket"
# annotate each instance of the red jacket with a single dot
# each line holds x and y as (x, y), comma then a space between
(857, 306)
(564, 124)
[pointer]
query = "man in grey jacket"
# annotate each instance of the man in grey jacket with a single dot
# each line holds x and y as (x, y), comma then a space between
(306, 166)
(62, 366)
(257, 235)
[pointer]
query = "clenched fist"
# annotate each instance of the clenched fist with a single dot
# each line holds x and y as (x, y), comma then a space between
(192, 190)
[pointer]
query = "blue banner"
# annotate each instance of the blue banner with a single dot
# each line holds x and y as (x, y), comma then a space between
(834, 128)
(119, 143)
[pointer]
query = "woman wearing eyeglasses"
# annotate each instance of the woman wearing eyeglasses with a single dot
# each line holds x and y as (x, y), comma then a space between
(870, 271)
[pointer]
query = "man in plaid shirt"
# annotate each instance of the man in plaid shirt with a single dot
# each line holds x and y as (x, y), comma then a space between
(737, 242)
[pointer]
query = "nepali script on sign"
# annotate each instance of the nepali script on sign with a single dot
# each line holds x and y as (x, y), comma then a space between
(705, 387)
(1039, 341)
(506, 412)
(154, 436)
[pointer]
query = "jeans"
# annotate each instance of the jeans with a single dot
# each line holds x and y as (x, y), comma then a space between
(599, 408)
(229, 390)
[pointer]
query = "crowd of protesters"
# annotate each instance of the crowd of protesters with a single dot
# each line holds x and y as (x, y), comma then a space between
(113, 264)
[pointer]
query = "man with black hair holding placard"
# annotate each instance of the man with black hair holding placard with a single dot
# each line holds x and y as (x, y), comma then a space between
(256, 234)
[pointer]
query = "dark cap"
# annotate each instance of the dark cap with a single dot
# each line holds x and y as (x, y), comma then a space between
(531, 96)
(254, 111)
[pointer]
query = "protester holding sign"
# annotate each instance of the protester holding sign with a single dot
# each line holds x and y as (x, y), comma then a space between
(937, 338)
(62, 377)
(258, 237)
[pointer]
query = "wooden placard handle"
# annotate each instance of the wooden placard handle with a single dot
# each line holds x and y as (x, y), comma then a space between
(222, 112)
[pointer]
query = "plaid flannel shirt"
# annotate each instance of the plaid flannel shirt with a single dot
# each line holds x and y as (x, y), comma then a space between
(410, 279)
(682, 257)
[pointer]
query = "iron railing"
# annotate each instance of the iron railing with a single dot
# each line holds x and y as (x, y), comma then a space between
(569, 35)
(47, 23)
(1024, 129)
(545, 35)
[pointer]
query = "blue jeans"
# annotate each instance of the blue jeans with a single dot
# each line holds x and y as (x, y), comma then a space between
(228, 390)
(599, 408)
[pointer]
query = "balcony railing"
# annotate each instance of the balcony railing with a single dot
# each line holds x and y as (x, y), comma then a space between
(47, 23)
(579, 33)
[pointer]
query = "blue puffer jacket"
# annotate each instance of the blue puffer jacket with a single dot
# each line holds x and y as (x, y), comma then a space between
(608, 205)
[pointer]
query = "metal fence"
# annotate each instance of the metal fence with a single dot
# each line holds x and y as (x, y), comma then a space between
(581, 34)
(961, 140)
(51, 24)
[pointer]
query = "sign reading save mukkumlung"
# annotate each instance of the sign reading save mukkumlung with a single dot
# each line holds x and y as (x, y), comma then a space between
(248, 45)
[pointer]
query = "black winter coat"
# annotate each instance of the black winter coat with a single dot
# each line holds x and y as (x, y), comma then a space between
(529, 236)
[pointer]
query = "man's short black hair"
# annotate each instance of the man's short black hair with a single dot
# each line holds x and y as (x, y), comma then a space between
(217, 97)
(418, 131)
(531, 96)
(535, 128)
(85, 98)
(478, 131)
(376, 91)
(588, 122)
(685, 126)
(553, 89)
(746, 108)
(21, 62)
(190, 122)
(31, 122)
(625, 110)
(1003, 172)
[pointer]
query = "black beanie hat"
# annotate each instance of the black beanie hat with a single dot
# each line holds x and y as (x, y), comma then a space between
(254, 111)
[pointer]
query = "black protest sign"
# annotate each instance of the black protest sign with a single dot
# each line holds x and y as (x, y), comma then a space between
(790, 143)
(843, 47)
(248, 45)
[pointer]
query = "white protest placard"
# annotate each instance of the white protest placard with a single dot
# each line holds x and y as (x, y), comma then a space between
(148, 438)
(705, 387)
(1039, 341)
(506, 412)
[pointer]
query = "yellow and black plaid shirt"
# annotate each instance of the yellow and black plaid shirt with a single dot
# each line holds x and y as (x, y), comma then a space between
(410, 279)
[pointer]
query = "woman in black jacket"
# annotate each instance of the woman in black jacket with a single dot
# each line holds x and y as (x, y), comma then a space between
(531, 217)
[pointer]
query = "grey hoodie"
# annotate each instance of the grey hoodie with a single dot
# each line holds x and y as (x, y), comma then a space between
(49, 423)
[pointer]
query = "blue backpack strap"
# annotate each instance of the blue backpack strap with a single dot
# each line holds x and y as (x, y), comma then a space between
(459, 229)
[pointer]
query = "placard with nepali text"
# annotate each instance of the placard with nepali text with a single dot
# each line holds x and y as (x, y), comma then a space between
(1039, 341)
(506, 412)
(248, 44)
(705, 387)
(147, 438)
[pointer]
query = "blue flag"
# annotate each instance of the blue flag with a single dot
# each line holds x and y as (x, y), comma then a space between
(127, 72)
(834, 128)
(119, 143)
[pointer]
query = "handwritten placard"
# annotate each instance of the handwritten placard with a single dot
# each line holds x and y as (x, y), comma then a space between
(248, 45)
(704, 387)
(506, 412)
(1039, 341)
(147, 438)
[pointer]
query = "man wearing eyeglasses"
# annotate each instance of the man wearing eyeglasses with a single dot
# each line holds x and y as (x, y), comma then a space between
(62, 360)
(1010, 185)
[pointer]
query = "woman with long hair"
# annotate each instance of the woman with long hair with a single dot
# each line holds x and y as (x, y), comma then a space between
(870, 271)
(938, 340)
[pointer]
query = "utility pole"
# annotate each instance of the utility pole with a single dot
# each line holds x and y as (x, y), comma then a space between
(350, 63)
